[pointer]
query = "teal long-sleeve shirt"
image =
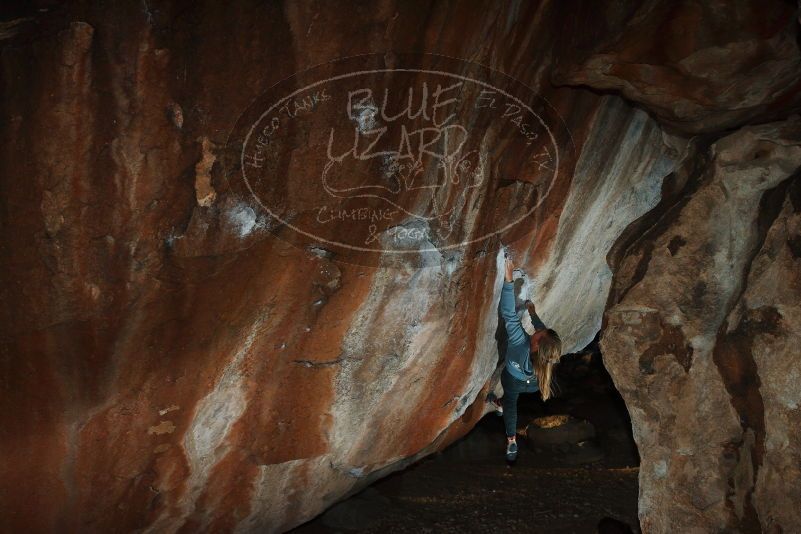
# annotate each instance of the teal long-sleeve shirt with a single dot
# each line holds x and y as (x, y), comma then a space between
(518, 362)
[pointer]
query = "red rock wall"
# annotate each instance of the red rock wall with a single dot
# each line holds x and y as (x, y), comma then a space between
(170, 364)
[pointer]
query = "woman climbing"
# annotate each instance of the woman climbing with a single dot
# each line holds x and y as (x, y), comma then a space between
(531, 352)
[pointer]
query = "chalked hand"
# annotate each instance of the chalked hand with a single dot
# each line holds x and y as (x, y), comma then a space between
(509, 267)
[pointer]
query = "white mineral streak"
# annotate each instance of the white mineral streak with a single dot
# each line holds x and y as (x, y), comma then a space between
(278, 495)
(399, 333)
(243, 219)
(205, 440)
(611, 188)
(397, 338)
(392, 338)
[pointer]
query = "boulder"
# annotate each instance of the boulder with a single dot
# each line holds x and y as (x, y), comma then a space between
(177, 355)
(555, 430)
(701, 336)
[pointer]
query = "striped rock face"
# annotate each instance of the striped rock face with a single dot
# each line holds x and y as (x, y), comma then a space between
(188, 347)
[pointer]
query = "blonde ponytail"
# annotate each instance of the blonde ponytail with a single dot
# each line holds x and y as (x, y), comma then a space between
(550, 350)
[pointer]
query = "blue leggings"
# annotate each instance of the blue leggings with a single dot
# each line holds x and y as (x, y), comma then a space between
(512, 388)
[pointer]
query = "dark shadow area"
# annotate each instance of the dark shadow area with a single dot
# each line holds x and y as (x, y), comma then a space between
(582, 487)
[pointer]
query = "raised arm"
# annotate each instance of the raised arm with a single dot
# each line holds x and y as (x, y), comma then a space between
(513, 327)
(535, 319)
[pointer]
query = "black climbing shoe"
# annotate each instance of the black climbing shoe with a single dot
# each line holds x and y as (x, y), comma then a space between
(511, 451)
(495, 402)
